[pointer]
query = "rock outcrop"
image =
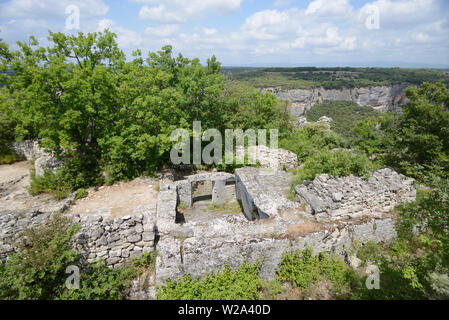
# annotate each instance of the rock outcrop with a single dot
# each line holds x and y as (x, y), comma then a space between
(43, 161)
(380, 98)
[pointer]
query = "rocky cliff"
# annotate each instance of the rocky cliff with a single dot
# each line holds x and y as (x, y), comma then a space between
(379, 98)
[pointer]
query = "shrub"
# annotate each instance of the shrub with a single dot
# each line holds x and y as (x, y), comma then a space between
(49, 183)
(310, 139)
(303, 269)
(81, 193)
(37, 270)
(243, 283)
(339, 163)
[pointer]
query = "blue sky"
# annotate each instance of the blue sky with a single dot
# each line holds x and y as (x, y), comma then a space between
(254, 32)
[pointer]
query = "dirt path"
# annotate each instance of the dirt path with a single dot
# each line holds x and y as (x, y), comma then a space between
(119, 199)
(14, 181)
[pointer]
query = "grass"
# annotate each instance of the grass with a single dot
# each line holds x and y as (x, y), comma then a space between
(233, 207)
(48, 183)
(10, 158)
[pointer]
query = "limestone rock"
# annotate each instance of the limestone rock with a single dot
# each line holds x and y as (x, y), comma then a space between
(354, 197)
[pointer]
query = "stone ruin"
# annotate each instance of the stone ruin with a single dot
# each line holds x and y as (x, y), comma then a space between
(331, 198)
(194, 233)
(30, 150)
(270, 224)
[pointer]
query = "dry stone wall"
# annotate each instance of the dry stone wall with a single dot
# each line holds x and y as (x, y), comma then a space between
(113, 239)
(333, 198)
(116, 240)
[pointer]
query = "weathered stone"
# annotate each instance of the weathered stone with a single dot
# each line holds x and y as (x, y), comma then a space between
(219, 192)
(379, 98)
(263, 192)
(134, 238)
(354, 197)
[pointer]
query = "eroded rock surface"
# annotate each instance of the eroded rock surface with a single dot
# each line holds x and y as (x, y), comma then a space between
(353, 197)
(382, 98)
(43, 161)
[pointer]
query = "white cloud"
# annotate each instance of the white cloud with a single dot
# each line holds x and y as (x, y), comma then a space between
(329, 8)
(177, 11)
(323, 30)
(127, 39)
(403, 13)
(162, 31)
(272, 24)
(51, 9)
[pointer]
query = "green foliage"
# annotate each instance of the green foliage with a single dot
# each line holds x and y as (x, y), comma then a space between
(81, 193)
(243, 283)
(344, 115)
(247, 108)
(374, 135)
(370, 251)
(49, 183)
(425, 126)
(339, 163)
(7, 124)
(415, 266)
(332, 78)
(310, 139)
(9, 158)
(111, 119)
(37, 270)
(303, 270)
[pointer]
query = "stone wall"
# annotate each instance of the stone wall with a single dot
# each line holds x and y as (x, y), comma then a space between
(114, 239)
(277, 159)
(201, 248)
(353, 197)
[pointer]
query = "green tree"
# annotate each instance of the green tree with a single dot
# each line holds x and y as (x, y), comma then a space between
(424, 129)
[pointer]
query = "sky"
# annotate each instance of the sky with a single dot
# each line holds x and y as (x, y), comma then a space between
(389, 33)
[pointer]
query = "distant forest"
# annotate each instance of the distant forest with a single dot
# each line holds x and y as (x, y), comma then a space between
(332, 78)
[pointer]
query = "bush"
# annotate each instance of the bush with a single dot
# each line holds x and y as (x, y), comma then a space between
(303, 270)
(49, 183)
(339, 164)
(310, 139)
(81, 193)
(9, 158)
(38, 269)
(241, 284)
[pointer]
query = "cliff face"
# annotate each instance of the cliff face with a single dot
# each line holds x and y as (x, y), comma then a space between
(379, 98)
